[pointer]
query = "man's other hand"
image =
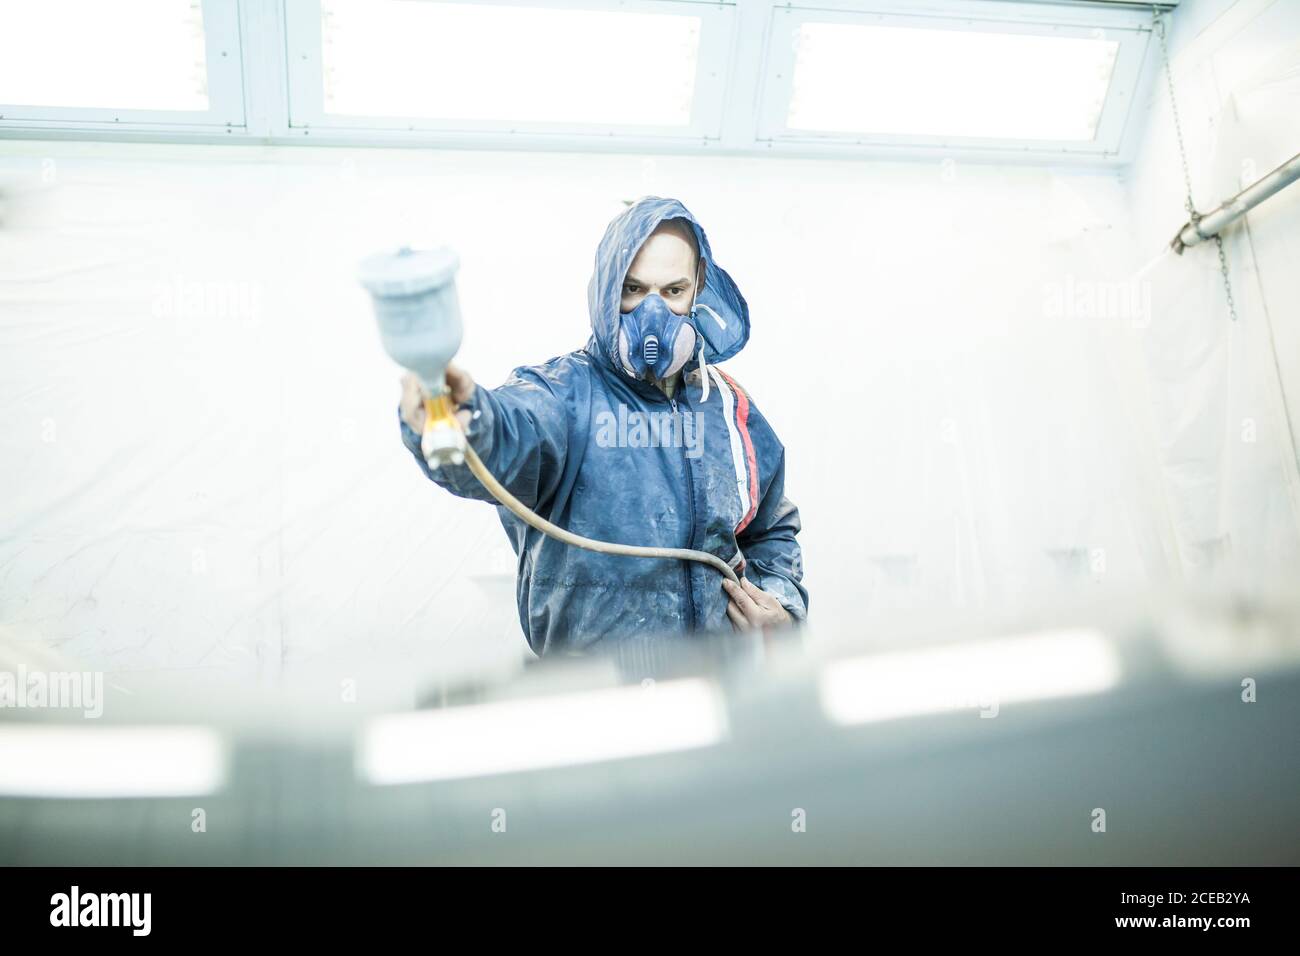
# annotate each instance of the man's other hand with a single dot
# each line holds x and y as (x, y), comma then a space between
(751, 608)
(412, 406)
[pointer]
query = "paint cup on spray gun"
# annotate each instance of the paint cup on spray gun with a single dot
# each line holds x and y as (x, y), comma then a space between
(414, 296)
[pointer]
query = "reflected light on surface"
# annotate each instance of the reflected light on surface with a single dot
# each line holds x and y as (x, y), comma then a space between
(98, 762)
(565, 730)
(983, 675)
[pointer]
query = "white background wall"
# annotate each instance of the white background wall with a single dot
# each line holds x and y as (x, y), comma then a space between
(202, 466)
(1226, 396)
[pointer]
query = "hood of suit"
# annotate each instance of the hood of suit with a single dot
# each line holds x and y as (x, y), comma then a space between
(722, 316)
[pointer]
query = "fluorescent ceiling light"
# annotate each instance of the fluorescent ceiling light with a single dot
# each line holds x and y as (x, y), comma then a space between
(98, 762)
(982, 675)
(142, 55)
(531, 734)
(909, 81)
(453, 61)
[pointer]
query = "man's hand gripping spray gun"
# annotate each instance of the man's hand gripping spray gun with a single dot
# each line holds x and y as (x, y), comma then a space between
(414, 296)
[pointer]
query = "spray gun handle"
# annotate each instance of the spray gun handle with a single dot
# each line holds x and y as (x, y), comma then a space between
(443, 440)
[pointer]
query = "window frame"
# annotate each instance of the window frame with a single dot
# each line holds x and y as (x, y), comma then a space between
(268, 89)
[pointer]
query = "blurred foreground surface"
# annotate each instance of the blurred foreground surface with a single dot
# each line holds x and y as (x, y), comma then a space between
(1172, 722)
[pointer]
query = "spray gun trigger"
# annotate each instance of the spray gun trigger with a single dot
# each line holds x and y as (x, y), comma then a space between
(443, 440)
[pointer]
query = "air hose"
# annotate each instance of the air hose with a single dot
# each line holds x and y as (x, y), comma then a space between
(439, 419)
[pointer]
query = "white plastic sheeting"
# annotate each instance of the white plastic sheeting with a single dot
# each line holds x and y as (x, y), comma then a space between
(1224, 395)
(991, 383)
(202, 464)
(206, 470)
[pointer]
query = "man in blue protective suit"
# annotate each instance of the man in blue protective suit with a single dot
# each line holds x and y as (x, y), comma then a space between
(638, 438)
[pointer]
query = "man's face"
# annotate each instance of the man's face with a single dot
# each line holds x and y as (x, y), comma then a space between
(665, 264)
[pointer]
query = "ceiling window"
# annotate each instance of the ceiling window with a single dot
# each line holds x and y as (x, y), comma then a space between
(906, 81)
(1012, 80)
(454, 61)
(146, 54)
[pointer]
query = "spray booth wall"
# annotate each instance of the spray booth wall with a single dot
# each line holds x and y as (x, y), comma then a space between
(968, 365)
(1225, 395)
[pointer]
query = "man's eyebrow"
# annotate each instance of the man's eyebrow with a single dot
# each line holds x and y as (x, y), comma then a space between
(635, 281)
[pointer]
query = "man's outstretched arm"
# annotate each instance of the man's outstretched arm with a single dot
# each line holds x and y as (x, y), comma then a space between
(519, 430)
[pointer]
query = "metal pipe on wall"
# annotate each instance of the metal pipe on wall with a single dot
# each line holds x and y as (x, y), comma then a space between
(1215, 221)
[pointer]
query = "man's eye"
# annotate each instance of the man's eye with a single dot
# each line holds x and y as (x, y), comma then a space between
(675, 291)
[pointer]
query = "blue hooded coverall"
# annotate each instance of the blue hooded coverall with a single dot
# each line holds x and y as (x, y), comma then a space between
(545, 434)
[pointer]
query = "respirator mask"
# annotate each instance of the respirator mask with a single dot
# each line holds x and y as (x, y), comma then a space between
(655, 341)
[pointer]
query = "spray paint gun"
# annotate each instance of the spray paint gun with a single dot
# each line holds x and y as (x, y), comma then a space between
(414, 295)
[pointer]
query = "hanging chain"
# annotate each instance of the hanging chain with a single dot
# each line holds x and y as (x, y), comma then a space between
(1159, 25)
(1227, 282)
(1173, 108)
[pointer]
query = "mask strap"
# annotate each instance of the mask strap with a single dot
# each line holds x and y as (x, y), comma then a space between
(704, 368)
(704, 373)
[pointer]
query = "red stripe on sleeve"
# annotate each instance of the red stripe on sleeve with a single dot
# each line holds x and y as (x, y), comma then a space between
(742, 422)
